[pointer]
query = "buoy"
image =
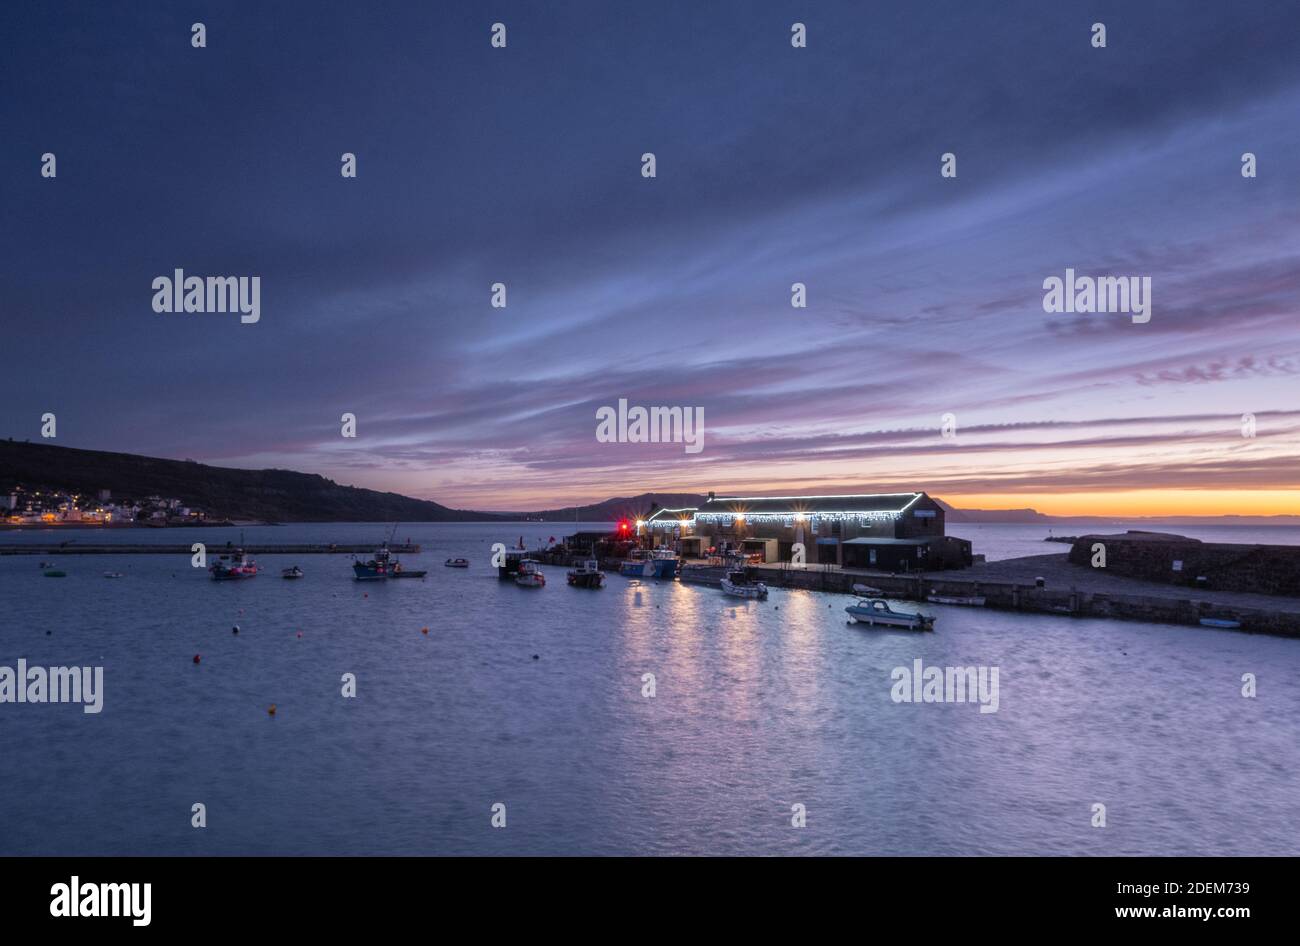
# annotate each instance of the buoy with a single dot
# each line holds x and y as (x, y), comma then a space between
(48, 633)
(196, 658)
(300, 633)
(235, 629)
(424, 630)
(536, 657)
(366, 595)
(271, 709)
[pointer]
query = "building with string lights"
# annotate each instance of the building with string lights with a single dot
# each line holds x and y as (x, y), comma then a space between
(885, 531)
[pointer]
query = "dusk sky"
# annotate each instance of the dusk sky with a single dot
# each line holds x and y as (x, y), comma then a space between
(775, 165)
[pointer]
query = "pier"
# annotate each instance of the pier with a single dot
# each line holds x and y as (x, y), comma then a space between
(80, 548)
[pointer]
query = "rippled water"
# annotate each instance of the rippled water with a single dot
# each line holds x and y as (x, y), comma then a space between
(759, 706)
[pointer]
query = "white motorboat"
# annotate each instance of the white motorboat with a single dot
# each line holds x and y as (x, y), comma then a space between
(878, 611)
(739, 585)
(292, 572)
(587, 575)
(529, 575)
(867, 591)
(457, 563)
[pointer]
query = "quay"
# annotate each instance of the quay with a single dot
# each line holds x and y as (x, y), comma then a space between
(80, 548)
(1041, 584)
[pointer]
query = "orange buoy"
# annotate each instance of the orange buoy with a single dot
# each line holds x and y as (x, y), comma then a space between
(196, 658)
(424, 630)
(271, 709)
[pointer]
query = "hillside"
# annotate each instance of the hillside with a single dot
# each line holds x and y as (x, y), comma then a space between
(270, 495)
(622, 507)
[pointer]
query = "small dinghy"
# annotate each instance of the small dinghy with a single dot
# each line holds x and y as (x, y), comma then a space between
(587, 575)
(1225, 623)
(529, 575)
(400, 572)
(457, 563)
(877, 611)
(867, 591)
(292, 572)
(55, 573)
(113, 575)
(974, 601)
(738, 585)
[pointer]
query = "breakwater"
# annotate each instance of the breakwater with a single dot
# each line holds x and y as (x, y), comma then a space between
(1076, 601)
(78, 548)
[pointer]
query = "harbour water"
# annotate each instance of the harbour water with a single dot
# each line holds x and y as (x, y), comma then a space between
(534, 699)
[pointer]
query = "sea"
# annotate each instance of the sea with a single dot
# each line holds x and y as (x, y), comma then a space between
(641, 718)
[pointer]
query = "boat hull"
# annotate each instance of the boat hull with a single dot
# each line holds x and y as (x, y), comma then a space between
(756, 590)
(637, 569)
(886, 618)
(586, 579)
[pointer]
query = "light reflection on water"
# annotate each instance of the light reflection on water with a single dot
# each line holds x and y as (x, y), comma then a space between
(759, 705)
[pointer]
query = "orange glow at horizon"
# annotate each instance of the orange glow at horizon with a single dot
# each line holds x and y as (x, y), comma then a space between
(1138, 503)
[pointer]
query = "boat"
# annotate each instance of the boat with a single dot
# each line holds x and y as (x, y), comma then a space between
(738, 585)
(400, 572)
(637, 565)
(529, 575)
(232, 566)
(1220, 622)
(867, 591)
(878, 611)
(587, 575)
(457, 563)
(55, 573)
(975, 601)
(665, 563)
(377, 569)
(291, 572)
(113, 575)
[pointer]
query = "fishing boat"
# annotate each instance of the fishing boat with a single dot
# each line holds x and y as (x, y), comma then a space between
(457, 563)
(292, 572)
(377, 569)
(233, 566)
(637, 565)
(878, 611)
(664, 562)
(529, 575)
(867, 591)
(400, 572)
(738, 585)
(974, 601)
(587, 575)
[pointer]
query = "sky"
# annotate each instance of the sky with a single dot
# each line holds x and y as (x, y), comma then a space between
(774, 165)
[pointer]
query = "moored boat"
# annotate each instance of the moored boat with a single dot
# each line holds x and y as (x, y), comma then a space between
(377, 569)
(637, 565)
(665, 563)
(877, 611)
(400, 572)
(529, 575)
(738, 585)
(457, 563)
(55, 573)
(291, 572)
(587, 575)
(974, 601)
(233, 566)
(868, 591)
(113, 575)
